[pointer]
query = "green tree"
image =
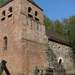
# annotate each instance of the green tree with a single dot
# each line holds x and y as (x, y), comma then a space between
(1, 2)
(58, 27)
(48, 23)
(72, 31)
(69, 27)
(66, 25)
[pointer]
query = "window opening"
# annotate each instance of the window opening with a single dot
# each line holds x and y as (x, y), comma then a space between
(30, 15)
(29, 12)
(36, 13)
(29, 9)
(36, 16)
(36, 19)
(10, 12)
(5, 43)
(3, 16)
(60, 61)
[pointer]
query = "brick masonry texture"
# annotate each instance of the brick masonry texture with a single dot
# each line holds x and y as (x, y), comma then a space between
(26, 40)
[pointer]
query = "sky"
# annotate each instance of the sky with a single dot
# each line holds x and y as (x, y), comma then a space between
(57, 9)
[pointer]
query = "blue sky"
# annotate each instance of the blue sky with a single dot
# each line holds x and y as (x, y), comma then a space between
(57, 9)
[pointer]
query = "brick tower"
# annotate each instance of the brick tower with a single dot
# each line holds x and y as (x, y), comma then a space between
(21, 36)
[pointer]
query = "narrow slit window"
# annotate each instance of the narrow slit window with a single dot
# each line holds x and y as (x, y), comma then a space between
(3, 16)
(5, 43)
(36, 13)
(10, 12)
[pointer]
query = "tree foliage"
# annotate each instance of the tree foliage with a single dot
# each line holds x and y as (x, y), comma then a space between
(2, 2)
(48, 23)
(65, 28)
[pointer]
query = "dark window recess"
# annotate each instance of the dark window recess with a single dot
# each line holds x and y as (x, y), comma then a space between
(10, 9)
(36, 19)
(9, 15)
(5, 43)
(3, 18)
(10, 12)
(29, 9)
(30, 15)
(60, 61)
(36, 13)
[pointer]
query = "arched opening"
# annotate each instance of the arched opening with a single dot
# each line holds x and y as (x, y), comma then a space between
(30, 12)
(60, 61)
(29, 9)
(5, 43)
(3, 16)
(10, 12)
(36, 16)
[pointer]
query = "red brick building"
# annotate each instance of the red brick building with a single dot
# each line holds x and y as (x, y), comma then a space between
(22, 36)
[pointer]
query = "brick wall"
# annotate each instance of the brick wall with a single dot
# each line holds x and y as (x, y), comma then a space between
(33, 33)
(25, 40)
(10, 27)
(24, 9)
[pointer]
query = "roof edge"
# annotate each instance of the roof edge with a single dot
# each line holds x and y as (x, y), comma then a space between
(35, 5)
(67, 44)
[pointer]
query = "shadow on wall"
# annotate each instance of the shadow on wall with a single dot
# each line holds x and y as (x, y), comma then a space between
(53, 65)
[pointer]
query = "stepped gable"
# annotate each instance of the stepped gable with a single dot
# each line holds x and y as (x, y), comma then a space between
(32, 1)
(54, 36)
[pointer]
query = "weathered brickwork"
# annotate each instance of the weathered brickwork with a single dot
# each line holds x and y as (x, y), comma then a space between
(33, 55)
(27, 44)
(24, 38)
(10, 27)
(24, 9)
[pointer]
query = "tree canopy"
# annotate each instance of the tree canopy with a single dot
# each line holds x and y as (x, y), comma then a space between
(2, 2)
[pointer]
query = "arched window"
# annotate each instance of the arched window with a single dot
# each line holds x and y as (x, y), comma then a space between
(3, 16)
(60, 61)
(30, 12)
(5, 43)
(29, 9)
(36, 16)
(10, 12)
